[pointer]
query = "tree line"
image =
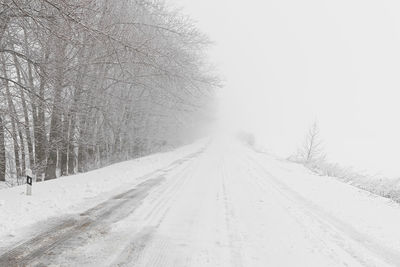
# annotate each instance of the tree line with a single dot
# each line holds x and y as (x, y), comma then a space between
(85, 83)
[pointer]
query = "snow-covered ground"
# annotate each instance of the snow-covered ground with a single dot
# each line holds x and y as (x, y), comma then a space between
(77, 193)
(226, 205)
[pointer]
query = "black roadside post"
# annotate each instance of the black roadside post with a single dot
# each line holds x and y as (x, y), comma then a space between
(29, 182)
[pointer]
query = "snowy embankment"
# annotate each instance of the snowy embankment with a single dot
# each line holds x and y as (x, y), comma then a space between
(370, 219)
(376, 184)
(74, 194)
(383, 186)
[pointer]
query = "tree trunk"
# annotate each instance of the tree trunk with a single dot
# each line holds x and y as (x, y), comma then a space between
(13, 116)
(2, 152)
(26, 116)
(55, 138)
(71, 146)
(65, 146)
(23, 155)
(38, 115)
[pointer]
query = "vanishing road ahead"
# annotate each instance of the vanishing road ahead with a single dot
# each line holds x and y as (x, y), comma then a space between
(225, 205)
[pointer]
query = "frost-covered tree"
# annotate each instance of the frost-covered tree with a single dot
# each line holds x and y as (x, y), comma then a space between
(84, 83)
(311, 149)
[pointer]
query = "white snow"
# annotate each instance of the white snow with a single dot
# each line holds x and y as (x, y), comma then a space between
(228, 206)
(74, 194)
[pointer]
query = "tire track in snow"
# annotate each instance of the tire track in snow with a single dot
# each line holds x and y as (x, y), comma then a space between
(235, 240)
(159, 251)
(344, 235)
(187, 234)
(157, 209)
(321, 245)
(68, 232)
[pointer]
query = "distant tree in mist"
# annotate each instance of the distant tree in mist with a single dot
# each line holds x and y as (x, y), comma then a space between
(247, 138)
(312, 149)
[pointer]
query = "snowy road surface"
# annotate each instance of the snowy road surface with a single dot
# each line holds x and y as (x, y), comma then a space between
(224, 206)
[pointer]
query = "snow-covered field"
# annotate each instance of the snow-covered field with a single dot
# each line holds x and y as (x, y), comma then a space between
(225, 206)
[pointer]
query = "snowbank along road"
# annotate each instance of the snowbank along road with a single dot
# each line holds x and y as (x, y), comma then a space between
(225, 205)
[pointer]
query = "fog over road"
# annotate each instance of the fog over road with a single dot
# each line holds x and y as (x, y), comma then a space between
(225, 205)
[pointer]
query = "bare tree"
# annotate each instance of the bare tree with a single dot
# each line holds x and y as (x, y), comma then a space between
(86, 83)
(312, 149)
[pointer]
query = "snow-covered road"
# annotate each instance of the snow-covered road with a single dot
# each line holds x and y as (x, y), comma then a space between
(225, 206)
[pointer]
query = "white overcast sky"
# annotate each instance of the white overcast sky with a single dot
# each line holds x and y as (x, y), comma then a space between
(287, 63)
